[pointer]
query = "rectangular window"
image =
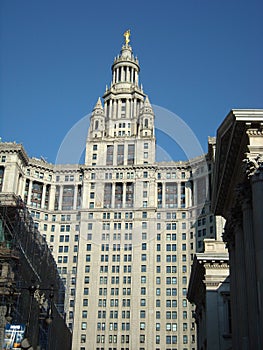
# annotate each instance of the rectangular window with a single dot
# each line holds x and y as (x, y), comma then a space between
(109, 157)
(120, 155)
(107, 195)
(131, 152)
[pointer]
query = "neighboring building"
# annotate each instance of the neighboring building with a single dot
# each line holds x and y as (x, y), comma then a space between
(209, 291)
(123, 228)
(31, 291)
(237, 196)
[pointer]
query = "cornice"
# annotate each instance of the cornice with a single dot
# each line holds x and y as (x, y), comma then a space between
(13, 147)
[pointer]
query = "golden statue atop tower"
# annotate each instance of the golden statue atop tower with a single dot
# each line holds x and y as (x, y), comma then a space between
(127, 35)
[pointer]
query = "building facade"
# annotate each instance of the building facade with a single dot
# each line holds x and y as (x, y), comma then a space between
(237, 196)
(209, 290)
(31, 290)
(123, 228)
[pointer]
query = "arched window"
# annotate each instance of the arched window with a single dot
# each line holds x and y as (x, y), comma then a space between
(146, 123)
(96, 125)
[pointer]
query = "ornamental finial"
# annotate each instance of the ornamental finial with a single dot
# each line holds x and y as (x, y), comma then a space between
(127, 35)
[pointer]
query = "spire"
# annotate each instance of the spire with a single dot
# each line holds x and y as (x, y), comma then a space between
(147, 107)
(98, 105)
(147, 102)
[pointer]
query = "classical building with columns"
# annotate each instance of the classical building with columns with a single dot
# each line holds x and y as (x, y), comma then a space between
(237, 196)
(122, 227)
(209, 290)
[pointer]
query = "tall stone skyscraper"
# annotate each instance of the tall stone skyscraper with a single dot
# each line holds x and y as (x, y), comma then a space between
(123, 228)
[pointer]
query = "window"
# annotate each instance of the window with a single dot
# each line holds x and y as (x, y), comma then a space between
(142, 314)
(142, 326)
(143, 291)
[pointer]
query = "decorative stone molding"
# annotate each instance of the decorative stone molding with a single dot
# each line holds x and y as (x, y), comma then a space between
(253, 165)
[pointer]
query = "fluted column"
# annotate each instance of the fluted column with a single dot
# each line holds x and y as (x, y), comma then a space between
(240, 293)
(250, 271)
(257, 195)
(254, 171)
(229, 238)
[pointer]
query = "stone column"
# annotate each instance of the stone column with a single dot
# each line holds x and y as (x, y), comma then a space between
(75, 197)
(124, 195)
(257, 195)
(136, 78)
(229, 238)
(114, 109)
(43, 196)
(128, 108)
(132, 75)
(52, 193)
(113, 195)
(85, 191)
(60, 197)
(122, 73)
(254, 171)
(195, 192)
(241, 291)
(23, 186)
(179, 194)
(249, 248)
(29, 193)
(163, 194)
(110, 110)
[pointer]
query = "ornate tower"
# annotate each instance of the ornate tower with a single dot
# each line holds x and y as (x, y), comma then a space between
(122, 132)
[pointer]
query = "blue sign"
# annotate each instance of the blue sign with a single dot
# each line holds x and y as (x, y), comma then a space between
(14, 334)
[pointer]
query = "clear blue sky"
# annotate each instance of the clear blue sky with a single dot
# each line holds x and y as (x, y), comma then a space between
(199, 59)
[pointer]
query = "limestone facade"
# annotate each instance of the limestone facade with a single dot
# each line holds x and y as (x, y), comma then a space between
(123, 228)
(237, 196)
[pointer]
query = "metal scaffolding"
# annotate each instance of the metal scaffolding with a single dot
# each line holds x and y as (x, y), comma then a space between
(25, 259)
